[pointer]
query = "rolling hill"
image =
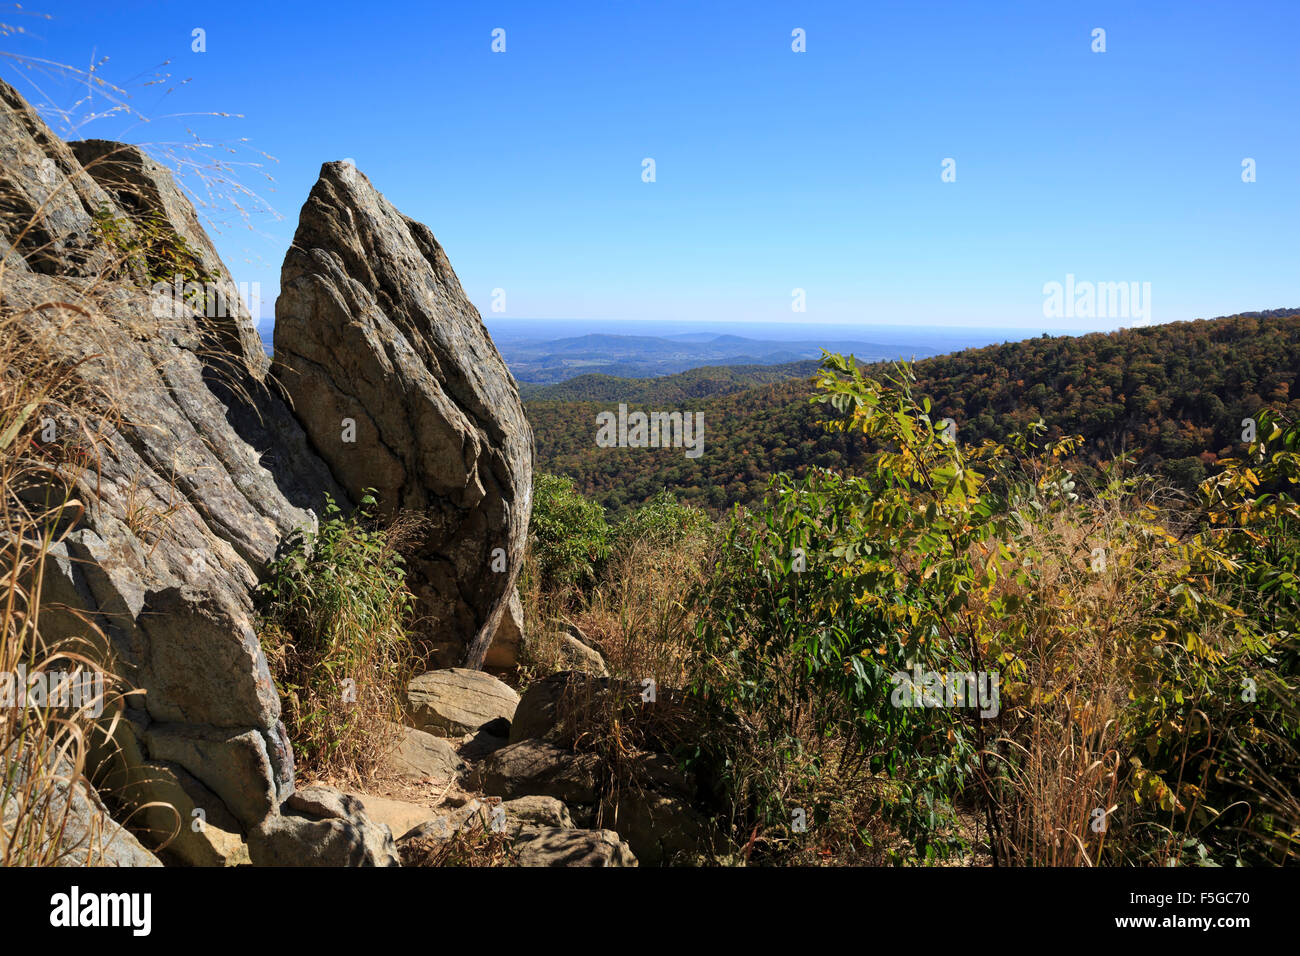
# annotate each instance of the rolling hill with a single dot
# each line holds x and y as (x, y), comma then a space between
(1172, 396)
(693, 383)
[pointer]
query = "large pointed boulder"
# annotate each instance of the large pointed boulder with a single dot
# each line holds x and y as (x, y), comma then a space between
(399, 386)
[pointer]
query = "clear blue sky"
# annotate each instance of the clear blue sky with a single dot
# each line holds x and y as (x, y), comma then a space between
(775, 170)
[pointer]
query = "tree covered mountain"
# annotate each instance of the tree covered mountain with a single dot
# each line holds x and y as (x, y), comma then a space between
(694, 383)
(1173, 397)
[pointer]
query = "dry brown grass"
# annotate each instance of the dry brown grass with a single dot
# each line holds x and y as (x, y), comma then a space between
(1060, 730)
(474, 844)
(634, 615)
(44, 749)
(44, 388)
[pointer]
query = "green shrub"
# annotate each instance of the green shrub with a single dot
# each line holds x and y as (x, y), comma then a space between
(1146, 647)
(335, 614)
(569, 537)
(148, 246)
(661, 522)
(829, 588)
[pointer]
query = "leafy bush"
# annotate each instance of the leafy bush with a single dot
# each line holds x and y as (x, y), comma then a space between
(569, 537)
(834, 585)
(148, 247)
(1145, 647)
(335, 617)
(663, 521)
(1218, 731)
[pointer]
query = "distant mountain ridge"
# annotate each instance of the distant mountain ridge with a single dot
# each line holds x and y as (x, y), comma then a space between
(537, 362)
(1171, 396)
(641, 356)
(694, 383)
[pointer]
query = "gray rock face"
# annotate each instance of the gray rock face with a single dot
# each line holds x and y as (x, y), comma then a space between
(142, 187)
(422, 755)
(457, 701)
(555, 846)
(194, 484)
(90, 836)
(503, 651)
(190, 819)
(47, 201)
(537, 768)
(322, 827)
(235, 766)
(400, 388)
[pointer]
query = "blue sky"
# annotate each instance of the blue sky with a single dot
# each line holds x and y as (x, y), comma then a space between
(775, 170)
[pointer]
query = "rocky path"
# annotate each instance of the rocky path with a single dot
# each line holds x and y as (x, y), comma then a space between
(445, 789)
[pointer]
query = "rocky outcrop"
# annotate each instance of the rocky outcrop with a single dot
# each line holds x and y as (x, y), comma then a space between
(198, 472)
(401, 390)
(194, 467)
(144, 189)
(391, 383)
(48, 202)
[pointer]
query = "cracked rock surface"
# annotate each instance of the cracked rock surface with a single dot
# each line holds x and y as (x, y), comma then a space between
(400, 388)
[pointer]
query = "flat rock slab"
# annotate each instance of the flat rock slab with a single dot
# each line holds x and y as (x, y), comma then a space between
(457, 701)
(399, 815)
(421, 755)
(538, 811)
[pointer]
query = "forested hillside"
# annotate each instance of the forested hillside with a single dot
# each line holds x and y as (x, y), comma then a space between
(1172, 396)
(699, 382)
